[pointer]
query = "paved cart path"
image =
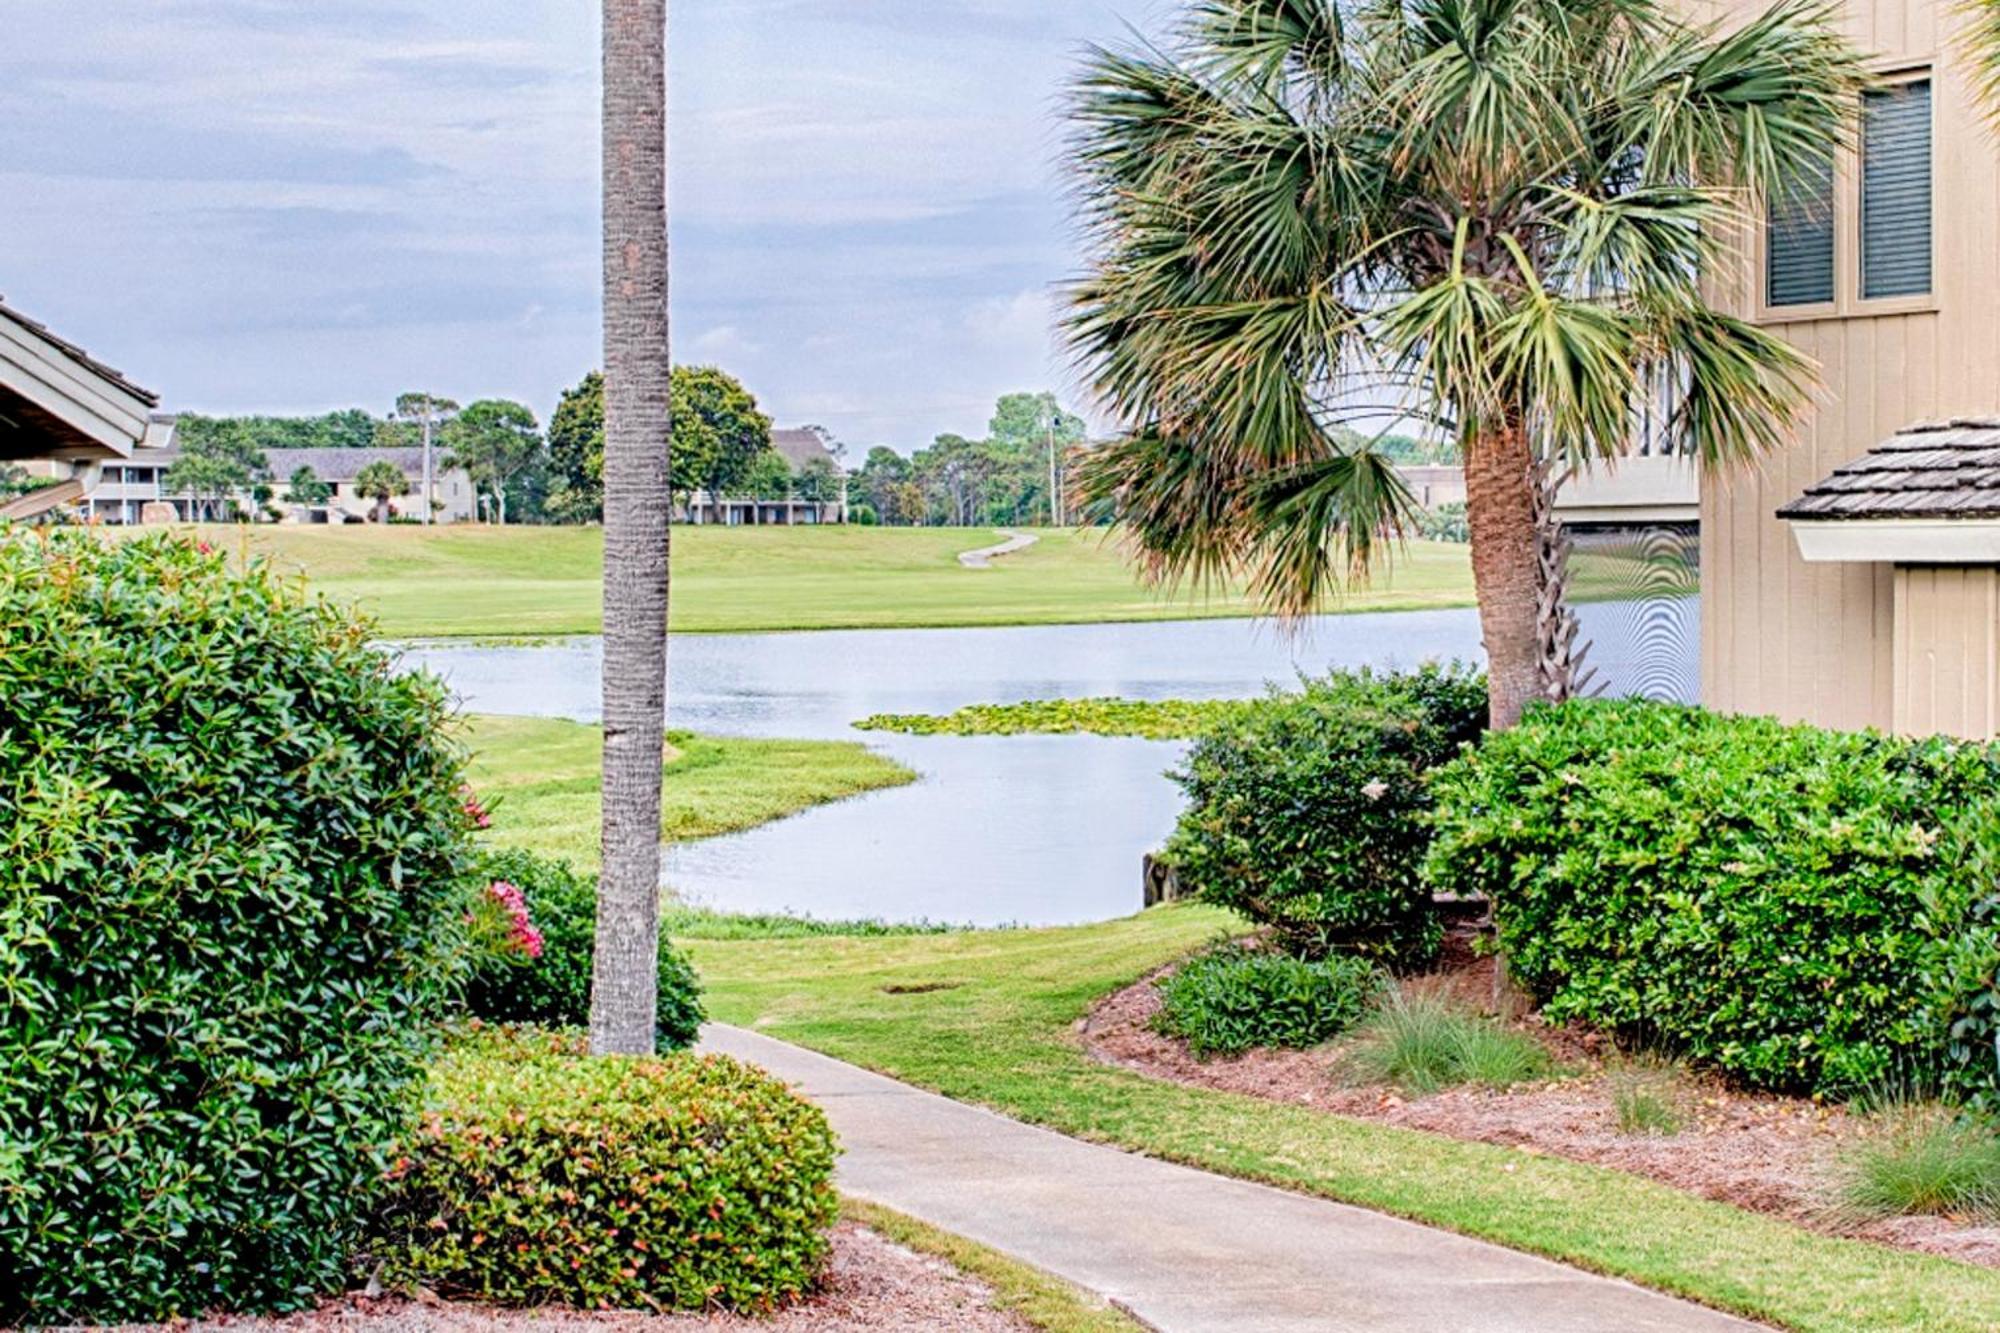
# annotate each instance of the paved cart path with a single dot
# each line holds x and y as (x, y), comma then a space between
(1185, 1250)
(984, 557)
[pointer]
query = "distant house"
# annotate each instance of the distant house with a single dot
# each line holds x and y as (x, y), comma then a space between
(799, 448)
(126, 490)
(66, 417)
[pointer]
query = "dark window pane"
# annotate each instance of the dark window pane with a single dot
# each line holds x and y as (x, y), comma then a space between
(1896, 191)
(1798, 255)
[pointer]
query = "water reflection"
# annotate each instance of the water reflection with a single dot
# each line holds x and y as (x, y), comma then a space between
(1030, 829)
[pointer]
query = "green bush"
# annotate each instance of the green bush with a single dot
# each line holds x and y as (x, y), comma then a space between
(1306, 813)
(536, 1176)
(1232, 999)
(1801, 908)
(232, 867)
(554, 989)
(1423, 1045)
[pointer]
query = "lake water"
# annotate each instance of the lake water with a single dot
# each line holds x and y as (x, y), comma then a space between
(1022, 829)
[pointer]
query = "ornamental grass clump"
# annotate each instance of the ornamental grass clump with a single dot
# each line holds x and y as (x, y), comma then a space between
(550, 985)
(1924, 1158)
(539, 1176)
(1423, 1044)
(1232, 999)
(1806, 910)
(1307, 813)
(233, 885)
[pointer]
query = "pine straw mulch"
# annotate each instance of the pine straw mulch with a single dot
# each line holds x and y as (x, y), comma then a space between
(1767, 1153)
(873, 1285)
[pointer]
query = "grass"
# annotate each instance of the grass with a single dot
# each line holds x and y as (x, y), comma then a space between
(540, 777)
(1042, 1299)
(1001, 1036)
(1647, 1097)
(471, 580)
(1924, 1158)
(1422, 1044)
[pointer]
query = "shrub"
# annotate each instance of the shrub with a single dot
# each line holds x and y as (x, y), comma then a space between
(1924, 1159)
(1232, 999)
(1423, 1045)
(554, 989)
(538, 1177)
(1306, 813)
(232, 860)
(1799, 907)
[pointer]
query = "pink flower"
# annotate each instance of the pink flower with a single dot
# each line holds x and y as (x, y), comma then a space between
(521, 927)
(474, 811)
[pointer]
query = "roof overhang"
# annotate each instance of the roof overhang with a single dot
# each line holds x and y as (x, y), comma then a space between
(1899, 541)
(56, 402)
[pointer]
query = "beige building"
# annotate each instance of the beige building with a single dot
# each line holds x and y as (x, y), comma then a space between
(1853, 580)
(801, 448)
(124, 492)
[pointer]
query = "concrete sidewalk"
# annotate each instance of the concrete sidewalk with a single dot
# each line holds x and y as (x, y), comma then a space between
(984, 557)
(1182, 1249)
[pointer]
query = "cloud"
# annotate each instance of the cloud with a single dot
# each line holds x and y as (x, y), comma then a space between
(271, 204)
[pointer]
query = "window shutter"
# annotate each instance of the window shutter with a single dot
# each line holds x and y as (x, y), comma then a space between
(1896, 191)
(1798, 251)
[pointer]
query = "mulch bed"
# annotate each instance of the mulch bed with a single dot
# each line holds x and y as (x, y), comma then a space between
(1767, 1153)
(872, 1284)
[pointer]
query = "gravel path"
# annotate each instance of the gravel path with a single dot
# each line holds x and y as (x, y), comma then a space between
(1184, 1250)
(985, 555)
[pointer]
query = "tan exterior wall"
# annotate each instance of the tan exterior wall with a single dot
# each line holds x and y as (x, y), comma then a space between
(1819, 642)
(1947, 677)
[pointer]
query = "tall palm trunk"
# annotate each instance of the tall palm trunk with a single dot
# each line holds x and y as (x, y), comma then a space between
(637, 386)
(1506, 553)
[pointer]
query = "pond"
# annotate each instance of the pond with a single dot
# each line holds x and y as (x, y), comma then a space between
(1038, 830)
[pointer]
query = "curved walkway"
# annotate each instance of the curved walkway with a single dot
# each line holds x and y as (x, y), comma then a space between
(985, 555)
(1185, 1250)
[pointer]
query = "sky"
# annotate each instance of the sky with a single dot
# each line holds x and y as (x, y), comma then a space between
(298, 205)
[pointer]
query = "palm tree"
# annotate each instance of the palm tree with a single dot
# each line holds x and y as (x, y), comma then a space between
(637, 387)
(1981, 40)
(1496, 216)
(381, 481)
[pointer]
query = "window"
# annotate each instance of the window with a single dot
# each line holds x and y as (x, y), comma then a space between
(1798, 253)
(1896, 191)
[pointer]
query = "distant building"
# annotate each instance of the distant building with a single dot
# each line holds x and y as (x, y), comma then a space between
(127, 489)
(799, 448)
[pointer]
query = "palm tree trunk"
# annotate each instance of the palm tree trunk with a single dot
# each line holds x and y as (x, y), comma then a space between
(637, 388)
(1500, 510)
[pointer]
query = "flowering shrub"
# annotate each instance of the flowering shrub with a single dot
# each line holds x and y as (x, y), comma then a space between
(1306, 812)
(232, 860)
(536, 1177)
(1802, 908)
(502, 926)
(557, 910)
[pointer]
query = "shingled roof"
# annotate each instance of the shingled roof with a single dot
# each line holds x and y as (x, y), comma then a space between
(78, 355)
(1935, 470)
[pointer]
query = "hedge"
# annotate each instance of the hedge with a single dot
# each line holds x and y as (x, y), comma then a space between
(1807, 910)
(232, 860)
(536, 1176)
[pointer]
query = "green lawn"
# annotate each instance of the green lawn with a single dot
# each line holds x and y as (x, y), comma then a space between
(542, 581)
(540, 777)
(1003, 1037)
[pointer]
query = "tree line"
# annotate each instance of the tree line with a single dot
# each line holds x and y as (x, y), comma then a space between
(1019, 473)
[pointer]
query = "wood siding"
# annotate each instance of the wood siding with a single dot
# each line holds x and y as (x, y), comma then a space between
(1819, 642)
(1947, 676)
